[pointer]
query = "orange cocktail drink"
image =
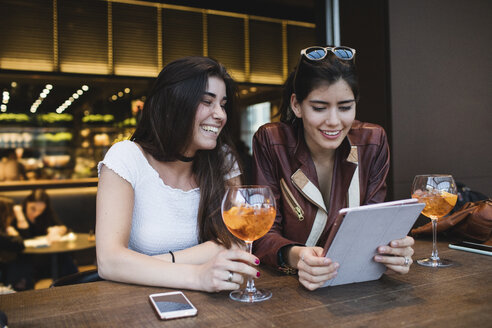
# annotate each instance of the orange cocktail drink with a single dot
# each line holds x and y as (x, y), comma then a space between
(249, 223)
(437, 204)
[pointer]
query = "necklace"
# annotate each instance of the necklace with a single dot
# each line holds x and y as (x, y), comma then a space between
(184, 158)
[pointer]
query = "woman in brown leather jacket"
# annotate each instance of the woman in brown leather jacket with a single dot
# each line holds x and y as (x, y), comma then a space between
(318, 160)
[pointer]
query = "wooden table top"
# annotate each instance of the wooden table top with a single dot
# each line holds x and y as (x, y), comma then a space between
(458, 296)
(80, 243)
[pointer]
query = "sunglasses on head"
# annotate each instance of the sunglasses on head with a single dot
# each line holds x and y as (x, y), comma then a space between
(316, 53)
(319, 53)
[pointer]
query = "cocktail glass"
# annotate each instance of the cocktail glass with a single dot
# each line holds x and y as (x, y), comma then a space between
(248, 213)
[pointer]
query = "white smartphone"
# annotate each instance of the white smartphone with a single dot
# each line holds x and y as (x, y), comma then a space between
(172, 305)
(472, 247)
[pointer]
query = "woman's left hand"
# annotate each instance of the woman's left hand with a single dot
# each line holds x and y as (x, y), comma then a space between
(397, 256)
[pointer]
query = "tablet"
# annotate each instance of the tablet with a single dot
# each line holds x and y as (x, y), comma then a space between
(359, 231)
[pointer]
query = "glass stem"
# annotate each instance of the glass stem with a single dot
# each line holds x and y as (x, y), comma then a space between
(250, 285)
(434, 255)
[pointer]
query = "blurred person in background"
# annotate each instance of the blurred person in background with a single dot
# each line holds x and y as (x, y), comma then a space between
(11, 169)
(36, 217)
(15, 269)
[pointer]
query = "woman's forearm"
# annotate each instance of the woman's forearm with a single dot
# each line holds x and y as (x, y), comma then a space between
(20, 217)
(125, 265)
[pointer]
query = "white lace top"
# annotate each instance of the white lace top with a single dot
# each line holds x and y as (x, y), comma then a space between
(164, 218)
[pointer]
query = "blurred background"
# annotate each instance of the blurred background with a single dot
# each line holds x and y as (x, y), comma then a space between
(74, 75)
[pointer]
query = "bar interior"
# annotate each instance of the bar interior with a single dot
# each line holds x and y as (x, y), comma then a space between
(74, 77)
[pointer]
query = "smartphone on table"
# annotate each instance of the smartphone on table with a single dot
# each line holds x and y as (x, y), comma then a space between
(472, 247)
(172, 305)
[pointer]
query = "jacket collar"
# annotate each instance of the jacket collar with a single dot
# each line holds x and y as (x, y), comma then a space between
(305, 178)
(344, 153)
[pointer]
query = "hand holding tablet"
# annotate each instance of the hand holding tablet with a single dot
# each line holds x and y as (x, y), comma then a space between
(358, 233)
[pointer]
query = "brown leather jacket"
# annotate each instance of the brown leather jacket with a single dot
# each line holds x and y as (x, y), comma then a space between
(280, 153)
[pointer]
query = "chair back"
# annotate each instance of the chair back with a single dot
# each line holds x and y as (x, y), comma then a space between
(77, 278)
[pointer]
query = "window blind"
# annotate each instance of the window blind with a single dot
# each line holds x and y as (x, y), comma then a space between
(26, 35)
(226, 43)
(135, 40)
(182, 34)
(266, 52)
(83, 36)
(126, 40)
(298, 38)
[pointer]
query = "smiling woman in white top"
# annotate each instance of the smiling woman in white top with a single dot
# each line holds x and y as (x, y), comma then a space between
(159, 194)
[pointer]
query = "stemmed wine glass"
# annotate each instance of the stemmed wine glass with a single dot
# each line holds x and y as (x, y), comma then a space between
(248, 212)
(438, 192)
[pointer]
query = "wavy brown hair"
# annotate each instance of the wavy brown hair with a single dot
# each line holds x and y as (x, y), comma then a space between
(166, 129)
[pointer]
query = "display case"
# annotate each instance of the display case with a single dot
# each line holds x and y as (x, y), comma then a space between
(94, 142)
(52, 147)
(42, 152)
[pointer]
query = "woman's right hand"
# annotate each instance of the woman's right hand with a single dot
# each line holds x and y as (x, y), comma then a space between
(12, 232)
(226, 270)
(313, 268)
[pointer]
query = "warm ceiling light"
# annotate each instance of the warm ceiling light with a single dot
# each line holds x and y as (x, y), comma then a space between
(42, 96)
(127, 90)
(114, 97)
(253, 89)
(13, 84)
(71, 99)
(244, 92)
(120, 94)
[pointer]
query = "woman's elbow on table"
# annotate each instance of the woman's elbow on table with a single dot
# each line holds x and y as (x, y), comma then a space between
(107, 263)
(103, 266)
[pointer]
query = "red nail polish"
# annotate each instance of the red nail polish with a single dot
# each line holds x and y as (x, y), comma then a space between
(257, 261)
(258, 274)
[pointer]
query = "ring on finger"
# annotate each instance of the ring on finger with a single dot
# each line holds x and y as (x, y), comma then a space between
(231, 274)
(407, 261)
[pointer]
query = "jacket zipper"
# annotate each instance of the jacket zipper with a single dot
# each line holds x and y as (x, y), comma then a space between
(291, 200)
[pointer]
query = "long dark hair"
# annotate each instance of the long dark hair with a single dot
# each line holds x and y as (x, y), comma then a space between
(6, 213)
(166, 129)
(312, 74)
(40, 195)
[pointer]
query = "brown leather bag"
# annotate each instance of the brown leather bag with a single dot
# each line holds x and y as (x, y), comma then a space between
(473, 221)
